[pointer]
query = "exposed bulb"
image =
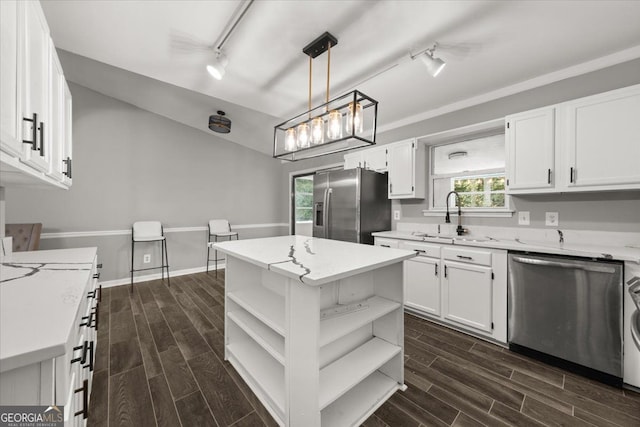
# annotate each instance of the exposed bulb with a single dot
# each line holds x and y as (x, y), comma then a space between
(317, 131)
(290, 139)
(334, 125)
(303, 135)
(354, 122)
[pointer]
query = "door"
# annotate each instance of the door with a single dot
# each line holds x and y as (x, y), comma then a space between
(401, 158)
(530, 144)
(57, 117)
(375, 159)
(343, 205)
(467, 295)
(422, 281)
(603, 139)
(67, 152)
(10, 119)
(302, 205)
(35, 88)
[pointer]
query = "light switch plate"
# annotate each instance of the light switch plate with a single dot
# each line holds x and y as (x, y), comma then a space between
(551, 219)
(396, 214)
(523, 218)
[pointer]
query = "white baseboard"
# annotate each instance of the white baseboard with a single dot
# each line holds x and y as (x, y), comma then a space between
(156, 276)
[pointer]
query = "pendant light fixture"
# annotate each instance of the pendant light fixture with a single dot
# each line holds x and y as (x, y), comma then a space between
(343, 123)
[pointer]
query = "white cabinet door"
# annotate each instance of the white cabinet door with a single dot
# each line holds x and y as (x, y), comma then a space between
(353, 160)
(467, 295)
(602, 133)
(530, 145)
(35, 87)
(10, 119)
(422, 284)
(57, 116)
(375, 159)
(401, 157)
(67, 147)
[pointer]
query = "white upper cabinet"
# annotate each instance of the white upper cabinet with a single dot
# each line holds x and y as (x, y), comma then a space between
(602, 135)
(67, 144)
(406, 163)
(372, 159)
(10, 119)
(530, 150)
(57, 119)
(35, 88)
(35, 103)
(589, 144)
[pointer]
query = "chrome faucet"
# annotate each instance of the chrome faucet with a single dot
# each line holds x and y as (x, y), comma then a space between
(447, 218)
(561, 236)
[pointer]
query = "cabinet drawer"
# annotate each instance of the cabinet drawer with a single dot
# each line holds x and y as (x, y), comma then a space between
(387, 243)
(467, 255)
(423, 249)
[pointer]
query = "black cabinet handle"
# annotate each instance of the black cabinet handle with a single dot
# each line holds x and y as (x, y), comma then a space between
(99, 265)
(100, 293)
(87, 348)
(90, 348)
(34, 132)
(445, 270)
(96, 310)
(96, 276)
(420, 251)
(67, 162)
(571, 175)
(385, 246)
(41, 129)
(91, 294)
(465, 257)
(548, 176)
(436, 265)
(85, 399)
(90, 320)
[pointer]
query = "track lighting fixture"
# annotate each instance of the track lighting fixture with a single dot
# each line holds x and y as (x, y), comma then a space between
(434, 65)
(217, 67)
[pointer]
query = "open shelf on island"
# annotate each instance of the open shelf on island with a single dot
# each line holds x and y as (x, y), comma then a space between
(360, 402)
(343, 374)
(266, 337)
(261, 372)
(266, 306)
(336, 327)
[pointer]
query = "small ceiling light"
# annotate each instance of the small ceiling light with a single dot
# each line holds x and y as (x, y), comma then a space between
(456, 154)
(219, 123)
(434, 65)
(217, 67)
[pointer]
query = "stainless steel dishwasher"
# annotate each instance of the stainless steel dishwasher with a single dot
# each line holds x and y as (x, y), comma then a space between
(567, 311)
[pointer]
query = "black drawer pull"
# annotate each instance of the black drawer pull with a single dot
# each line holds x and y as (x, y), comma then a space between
(85, 399)
(96, 276)
(91, 294)
(34, 132)
(445, 271)
(436, 265)
(465, 257)
(385, 246)
(90, 320)
(91, 354)
(548, 176)
(99, 265)
(420, 251)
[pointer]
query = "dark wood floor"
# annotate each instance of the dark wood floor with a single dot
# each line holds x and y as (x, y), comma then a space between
(160, 362)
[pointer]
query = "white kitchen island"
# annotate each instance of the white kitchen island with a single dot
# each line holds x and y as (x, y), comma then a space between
(315, 326)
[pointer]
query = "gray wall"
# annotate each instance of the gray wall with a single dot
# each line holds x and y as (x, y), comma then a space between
(131, 165)
(618, 211)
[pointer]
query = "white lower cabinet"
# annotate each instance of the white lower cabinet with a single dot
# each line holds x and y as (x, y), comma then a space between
(466, 295)
(458, 286)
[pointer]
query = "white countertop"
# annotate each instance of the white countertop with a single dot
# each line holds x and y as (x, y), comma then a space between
(622, 253)
(312, 260)
(40, 294)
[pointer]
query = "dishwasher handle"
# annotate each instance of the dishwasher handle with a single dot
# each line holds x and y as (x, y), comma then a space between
(565, 264)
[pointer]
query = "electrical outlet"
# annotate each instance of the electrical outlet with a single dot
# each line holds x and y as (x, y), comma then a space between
(146, 258)
(396, 214)
(523, 218)
(551, 219)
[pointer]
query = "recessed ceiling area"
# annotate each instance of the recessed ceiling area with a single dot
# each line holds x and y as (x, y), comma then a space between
(488, 45)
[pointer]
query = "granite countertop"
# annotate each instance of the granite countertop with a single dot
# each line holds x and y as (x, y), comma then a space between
(40, 294)
(313, 261)
(622, 253)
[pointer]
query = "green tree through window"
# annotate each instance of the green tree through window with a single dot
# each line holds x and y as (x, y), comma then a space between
(304, 198)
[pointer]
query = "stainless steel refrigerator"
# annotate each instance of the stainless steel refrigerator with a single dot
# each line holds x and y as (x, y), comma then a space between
(350, 204)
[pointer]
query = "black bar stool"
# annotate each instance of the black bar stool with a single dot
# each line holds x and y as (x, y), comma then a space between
(218, 228)
(149, 231)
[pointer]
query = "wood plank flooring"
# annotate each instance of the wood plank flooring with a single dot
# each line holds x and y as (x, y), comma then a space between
(160, 362)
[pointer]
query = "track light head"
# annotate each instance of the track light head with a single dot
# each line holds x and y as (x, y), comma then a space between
(434, 65)
(217, 67)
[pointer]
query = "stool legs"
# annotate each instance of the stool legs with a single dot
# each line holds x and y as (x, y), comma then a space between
(132, 248)
(166, 259)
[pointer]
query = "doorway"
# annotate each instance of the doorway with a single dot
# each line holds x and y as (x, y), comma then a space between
(302, 204)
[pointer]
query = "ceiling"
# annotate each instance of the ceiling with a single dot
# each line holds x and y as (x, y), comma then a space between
(488, 45)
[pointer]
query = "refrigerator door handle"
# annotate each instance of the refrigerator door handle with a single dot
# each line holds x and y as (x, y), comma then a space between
(325, 213)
